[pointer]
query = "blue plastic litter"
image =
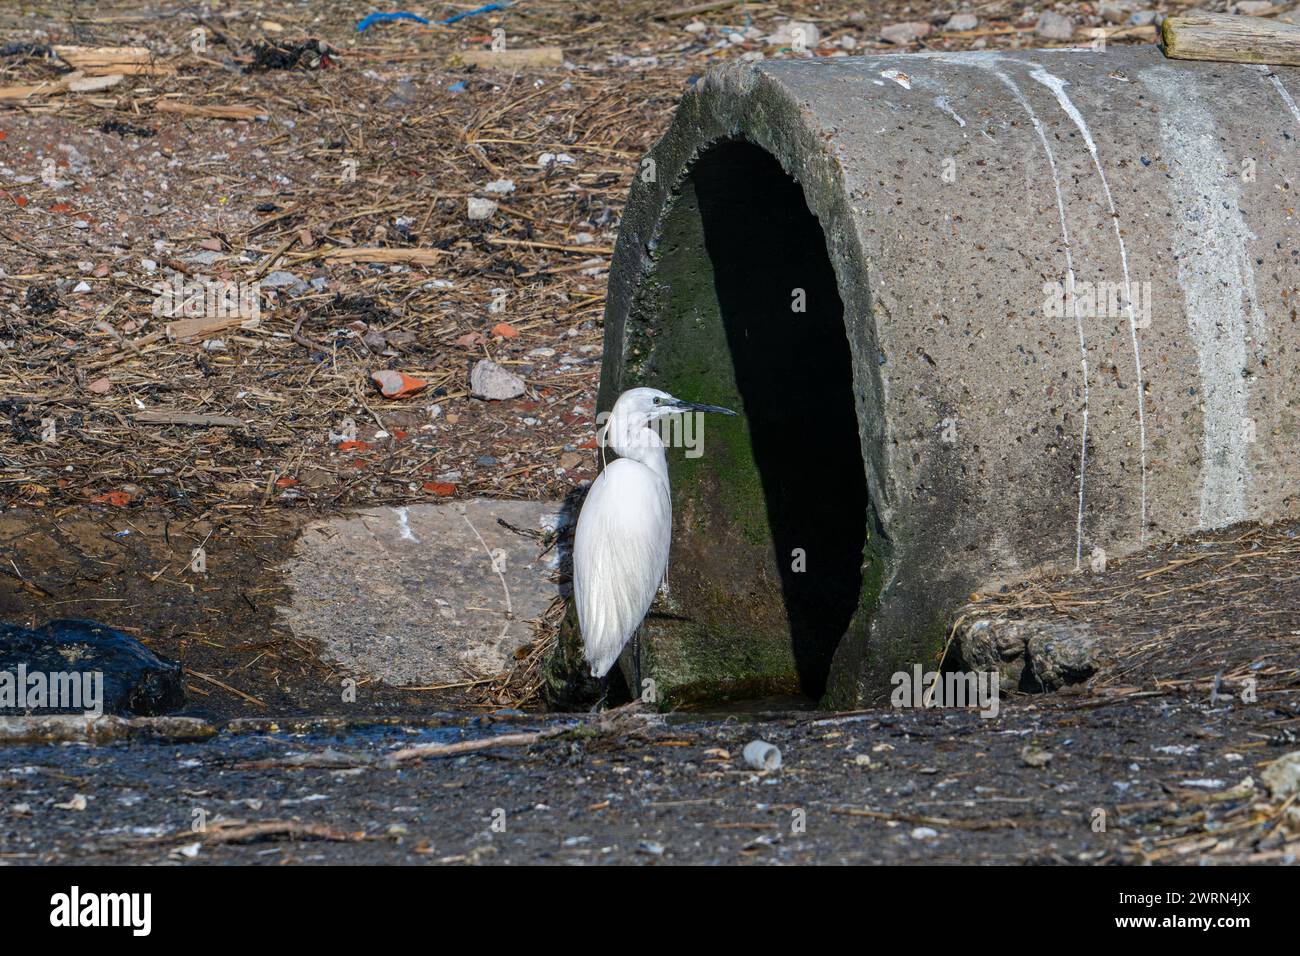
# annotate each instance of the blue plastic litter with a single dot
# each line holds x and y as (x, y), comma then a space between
(387, 17)
(473, 13)
(403, 15)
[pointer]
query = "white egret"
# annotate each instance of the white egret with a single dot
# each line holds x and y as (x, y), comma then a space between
(620, 548)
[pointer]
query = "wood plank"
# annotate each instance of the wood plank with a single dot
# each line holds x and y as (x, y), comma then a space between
(103, 60)
(380, 254)
(541, 56)
(233, 112)
(1229, 39)
(189, 330)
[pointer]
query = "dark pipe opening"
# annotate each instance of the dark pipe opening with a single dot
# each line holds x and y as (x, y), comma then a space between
(794, 373)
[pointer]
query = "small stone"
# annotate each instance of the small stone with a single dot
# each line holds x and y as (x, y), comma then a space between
(924, 833)
(489, 381)
(205, 258)
(1254, 8)
(901, 34)
(375, 340)
(1054, 26)
(480, 209)
(961, 22)
(696, 26)
(1142, 18)
(1113, 12)
(1282, 777)
(99, 386)
(81, 287)
(500, 186)
(279, 279)
(794, 33)
(1033, 756)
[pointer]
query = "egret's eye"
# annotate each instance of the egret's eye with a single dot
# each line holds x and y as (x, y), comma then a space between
(656, 400)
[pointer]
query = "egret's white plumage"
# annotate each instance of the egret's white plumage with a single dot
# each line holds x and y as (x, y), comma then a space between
(620, 548)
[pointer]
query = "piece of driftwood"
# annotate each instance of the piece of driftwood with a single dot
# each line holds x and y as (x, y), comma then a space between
(380, 254)
(509, 59)
(105, 60)
(211, 112)
(1215, 36)
(77, 82)
(189, 330)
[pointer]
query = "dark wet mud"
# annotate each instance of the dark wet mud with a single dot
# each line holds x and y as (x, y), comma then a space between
(1136, 779)
(131, 568)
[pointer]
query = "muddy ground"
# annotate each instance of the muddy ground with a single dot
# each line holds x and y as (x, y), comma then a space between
(132, 570)
(1171, 779)
(1164, 747)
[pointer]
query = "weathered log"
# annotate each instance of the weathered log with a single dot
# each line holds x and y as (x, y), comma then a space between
(1224, 38)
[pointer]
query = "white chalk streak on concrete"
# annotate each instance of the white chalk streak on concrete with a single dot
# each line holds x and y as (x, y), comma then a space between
(1215, 273)
(942, 103)
(1286, 97)
(1057, 86)
(1078, 317)
(404, 525)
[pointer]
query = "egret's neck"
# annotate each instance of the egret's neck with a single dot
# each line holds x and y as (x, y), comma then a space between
(638, 441)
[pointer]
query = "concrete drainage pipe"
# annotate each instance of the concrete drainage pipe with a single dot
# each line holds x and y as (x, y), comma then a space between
(984, 313)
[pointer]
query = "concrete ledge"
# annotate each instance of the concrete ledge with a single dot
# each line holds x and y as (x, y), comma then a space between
(69, 728)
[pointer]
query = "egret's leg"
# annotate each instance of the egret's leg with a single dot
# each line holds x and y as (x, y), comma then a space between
(597, 707)
(636, 663)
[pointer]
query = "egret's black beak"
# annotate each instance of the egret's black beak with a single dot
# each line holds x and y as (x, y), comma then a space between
(696, 407)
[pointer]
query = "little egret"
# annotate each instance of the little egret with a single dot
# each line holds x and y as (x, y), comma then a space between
(620, 548)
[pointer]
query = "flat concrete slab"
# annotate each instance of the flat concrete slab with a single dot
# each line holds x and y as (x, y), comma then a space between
(425, 594)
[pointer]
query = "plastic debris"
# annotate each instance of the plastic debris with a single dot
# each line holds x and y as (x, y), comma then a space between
(373, 18)
(760, 755)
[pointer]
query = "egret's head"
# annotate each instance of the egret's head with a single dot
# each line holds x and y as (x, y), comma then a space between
(640, 406)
